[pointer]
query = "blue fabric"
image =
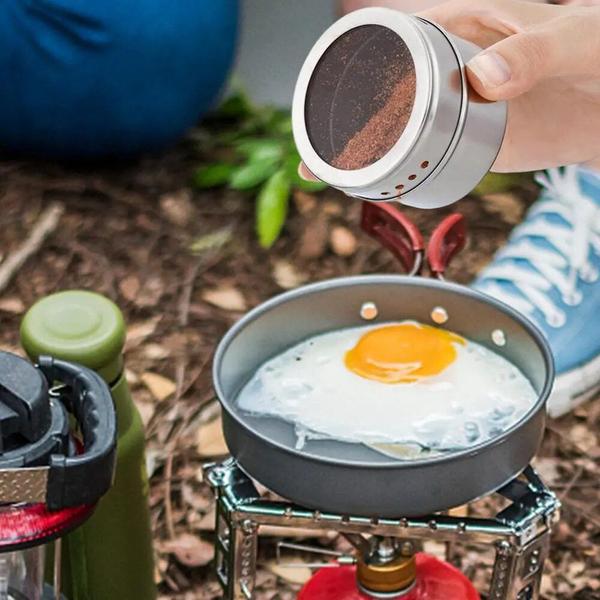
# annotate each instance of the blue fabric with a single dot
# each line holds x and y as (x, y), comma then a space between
(88, 78)
(578, 341)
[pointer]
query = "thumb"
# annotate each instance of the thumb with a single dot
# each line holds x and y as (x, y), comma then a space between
(516, 64)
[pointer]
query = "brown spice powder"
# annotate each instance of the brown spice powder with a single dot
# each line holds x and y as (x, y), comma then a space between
(382, 130)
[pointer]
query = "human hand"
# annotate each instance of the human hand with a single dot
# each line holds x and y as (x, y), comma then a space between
(545, 60)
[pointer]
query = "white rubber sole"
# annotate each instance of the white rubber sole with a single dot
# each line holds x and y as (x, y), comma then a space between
(574, 387)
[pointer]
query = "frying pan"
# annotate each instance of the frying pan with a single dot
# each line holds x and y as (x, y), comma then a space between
(356, 479)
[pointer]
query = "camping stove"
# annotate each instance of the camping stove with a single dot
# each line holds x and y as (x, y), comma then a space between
(520, 534)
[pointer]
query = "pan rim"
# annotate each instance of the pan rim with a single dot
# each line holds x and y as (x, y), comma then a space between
(356, 280)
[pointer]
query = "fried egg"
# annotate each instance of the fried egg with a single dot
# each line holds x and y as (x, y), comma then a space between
(397, 383)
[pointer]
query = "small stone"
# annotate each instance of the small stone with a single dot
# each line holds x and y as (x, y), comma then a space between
(343, 242)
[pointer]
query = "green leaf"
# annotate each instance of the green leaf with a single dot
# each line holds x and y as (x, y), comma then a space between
(235, 106)
(260, 148)
(213, 175)
(310, 186)
(211, 241)
(253, 173)
(272, 207)
(496, 183)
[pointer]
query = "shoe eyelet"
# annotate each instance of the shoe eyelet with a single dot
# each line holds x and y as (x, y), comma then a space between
(573, 298)
(556, 320)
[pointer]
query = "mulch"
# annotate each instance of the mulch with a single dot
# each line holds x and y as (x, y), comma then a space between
(184, 265)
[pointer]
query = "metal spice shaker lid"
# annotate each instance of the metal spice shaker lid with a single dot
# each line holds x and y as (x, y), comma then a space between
(382, 110)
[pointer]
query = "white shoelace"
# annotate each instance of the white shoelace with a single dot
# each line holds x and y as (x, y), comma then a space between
(560, 264)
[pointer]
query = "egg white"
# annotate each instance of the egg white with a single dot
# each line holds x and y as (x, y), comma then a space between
(475, 398)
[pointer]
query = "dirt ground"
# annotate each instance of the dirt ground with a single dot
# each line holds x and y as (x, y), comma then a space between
(184, 265)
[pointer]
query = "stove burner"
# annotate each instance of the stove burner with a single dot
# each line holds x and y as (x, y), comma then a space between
(520, 533)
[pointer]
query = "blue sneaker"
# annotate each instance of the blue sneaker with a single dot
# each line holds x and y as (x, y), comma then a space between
(550, 271)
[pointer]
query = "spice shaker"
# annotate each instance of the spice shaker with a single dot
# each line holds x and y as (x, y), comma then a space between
(383, 111)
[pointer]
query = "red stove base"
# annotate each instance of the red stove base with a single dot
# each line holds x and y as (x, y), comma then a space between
(436, 580)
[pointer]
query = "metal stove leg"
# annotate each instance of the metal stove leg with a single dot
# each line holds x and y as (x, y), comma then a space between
(236, 542)
(518, 570)
(505, 568)
(244, 539)
(531, 567)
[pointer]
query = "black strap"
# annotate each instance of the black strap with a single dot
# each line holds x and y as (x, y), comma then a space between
(86, 477)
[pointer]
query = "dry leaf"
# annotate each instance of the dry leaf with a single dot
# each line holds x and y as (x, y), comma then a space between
(129, 287)
(332, 208)
(146, 410)
(508, 206)
(150, 293)
(177, 207)
(12, 305)
(314, 237)
(208, 521)
(287, 276)
(189, 550)
(210, 441)
(583, 438)
(131, 376)
(304, 202)
(159, 386)
(156, 352)
(547, 469)
(342, 241)
(211, 241)
(138, 332)
(298, 575)
(227, 298)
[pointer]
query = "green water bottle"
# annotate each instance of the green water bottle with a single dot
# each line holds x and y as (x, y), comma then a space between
(111, 556)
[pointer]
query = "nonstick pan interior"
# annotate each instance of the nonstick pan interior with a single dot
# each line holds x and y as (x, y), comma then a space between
(352, 478)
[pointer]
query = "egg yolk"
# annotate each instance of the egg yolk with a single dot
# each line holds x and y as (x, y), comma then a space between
(403, 353)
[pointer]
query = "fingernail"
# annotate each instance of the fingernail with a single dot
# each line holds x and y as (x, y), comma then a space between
(491, 69)
(305, 173)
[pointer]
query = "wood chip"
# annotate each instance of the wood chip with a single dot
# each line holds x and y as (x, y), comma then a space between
(159, 386)
(189, 550)
(12, 305)
(129, 287)
(287, 276)
(210, 442)
(150, 293)
(343, 242)
(227, 298)
(298, 575)
(156, 351)
(177, 207)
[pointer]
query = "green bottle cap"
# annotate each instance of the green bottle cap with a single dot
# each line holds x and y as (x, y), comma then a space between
(77, 326)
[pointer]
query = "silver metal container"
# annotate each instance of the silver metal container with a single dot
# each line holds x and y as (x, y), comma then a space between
(382, 110)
